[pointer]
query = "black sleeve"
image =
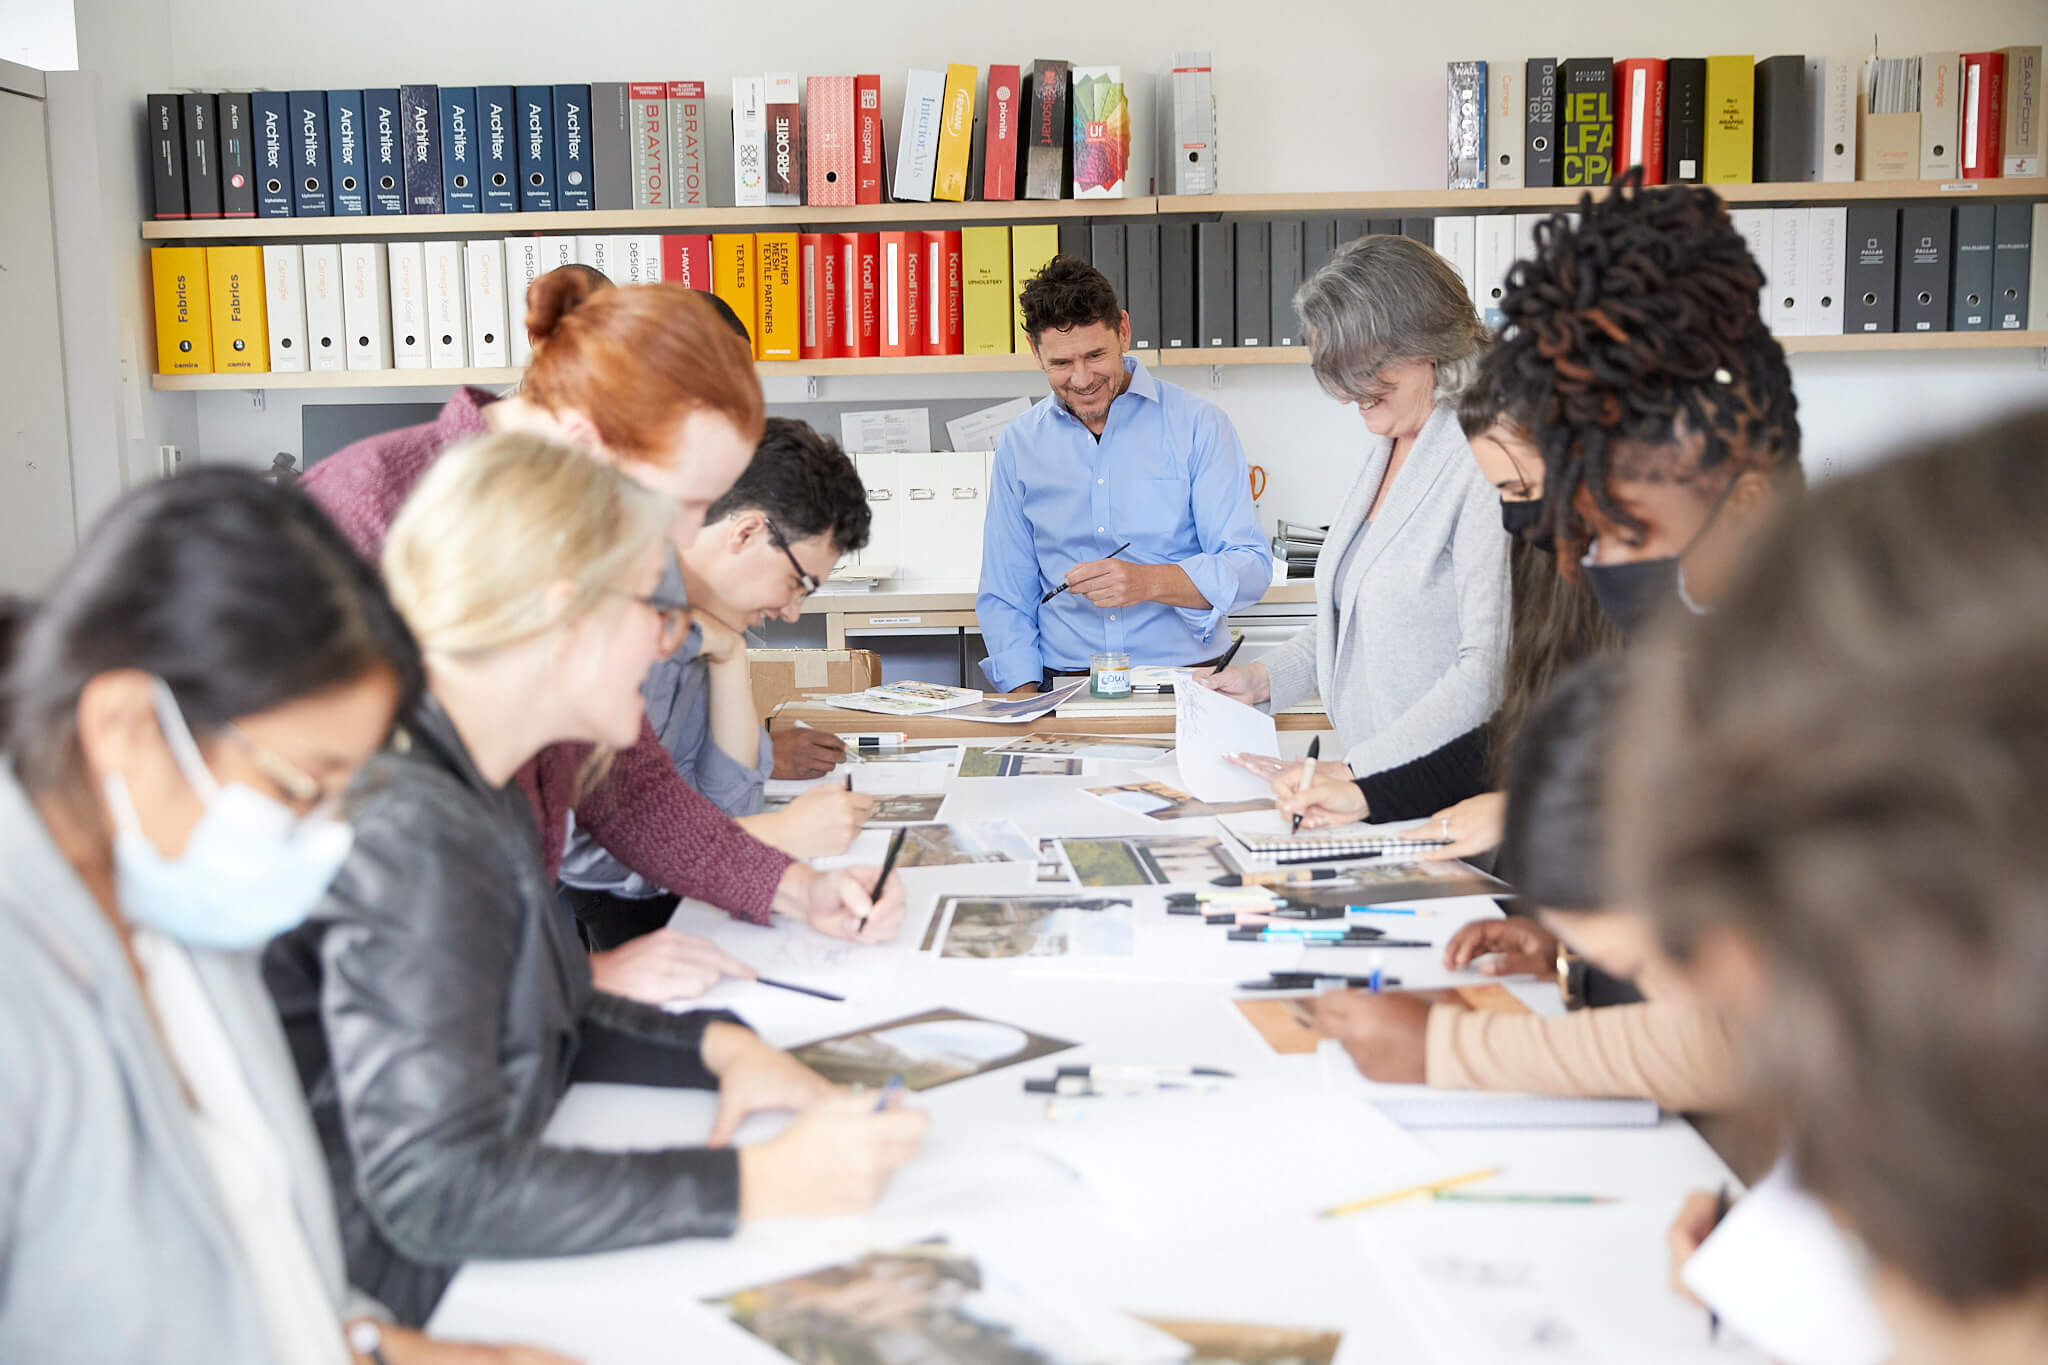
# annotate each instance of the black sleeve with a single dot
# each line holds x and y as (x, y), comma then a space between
(627, 1043)
(1423, 786)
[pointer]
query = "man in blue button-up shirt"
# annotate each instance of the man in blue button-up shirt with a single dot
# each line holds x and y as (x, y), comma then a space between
(1111, 455)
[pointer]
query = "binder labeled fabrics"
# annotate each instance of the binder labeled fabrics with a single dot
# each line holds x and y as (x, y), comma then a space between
(284, 308)
(241, 335)
(184, 333)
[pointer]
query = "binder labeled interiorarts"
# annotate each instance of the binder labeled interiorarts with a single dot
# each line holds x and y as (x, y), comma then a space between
(917, 145)
(1925, 253)
(1586, 147)
(419, 107)
(1970, 295)
(1872, 262)
(1215, 289)
(2011, 267)
(1048, 145)
(241, 335)
(184, 334)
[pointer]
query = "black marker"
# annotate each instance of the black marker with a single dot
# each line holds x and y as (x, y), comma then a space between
(1063, 587)
(800, 990)
(1228, 655)
(888, 863)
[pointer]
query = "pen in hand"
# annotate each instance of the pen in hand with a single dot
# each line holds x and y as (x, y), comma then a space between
(1063, 587)
(1308, 775)
(888, 864)
(1228, 655)
(1720, 1212)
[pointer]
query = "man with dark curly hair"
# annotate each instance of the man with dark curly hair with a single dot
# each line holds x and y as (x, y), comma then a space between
(1120, 515)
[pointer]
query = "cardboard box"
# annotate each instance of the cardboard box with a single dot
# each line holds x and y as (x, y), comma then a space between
(780, 674)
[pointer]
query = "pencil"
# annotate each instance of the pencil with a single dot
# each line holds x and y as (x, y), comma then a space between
(800, 990)
(1063, 587)
(888, 865)
(1412, 1192)
(1483, 1197)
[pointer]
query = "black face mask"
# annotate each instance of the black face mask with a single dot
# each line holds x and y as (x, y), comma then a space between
(1525, 519)
(1631, 595)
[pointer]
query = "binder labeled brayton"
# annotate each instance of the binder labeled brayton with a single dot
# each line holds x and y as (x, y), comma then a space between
(410, 343)
(326, 342)
(483, 281)
(689, 145)
(447, 306)
(366, 305)
(184, 333)
(284, 307)
(241, 335)
(649, 109)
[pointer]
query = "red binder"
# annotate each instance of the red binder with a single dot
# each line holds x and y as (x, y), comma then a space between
(864, 294)
(686, 259)
(999, 133)
(1639, 117)
(1983, 112)
(940, 280)
(902, 301)
(870, 165)
(815, 257)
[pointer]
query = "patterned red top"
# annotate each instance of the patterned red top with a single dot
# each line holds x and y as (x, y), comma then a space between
(643, 813)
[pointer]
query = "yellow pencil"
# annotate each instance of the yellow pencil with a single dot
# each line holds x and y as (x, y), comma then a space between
(1412, 1192)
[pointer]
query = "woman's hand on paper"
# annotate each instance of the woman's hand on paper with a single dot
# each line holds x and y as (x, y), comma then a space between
(754, 1078)
(1247, 683)
(664, 966)
(1696, 1220)
(1331, 799)
(837, 904)
(835, 1158)
(404, 1346)
(1385, 1033)
(1473, 826)
(821, 823)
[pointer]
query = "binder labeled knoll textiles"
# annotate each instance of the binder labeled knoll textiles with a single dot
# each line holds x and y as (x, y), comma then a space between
(901, 326)
(536, 153)
(1141, 272)
(1685, 120)
(1870, 301)
(309, 154)
(1507, 105)
(384, 163)
(1970, 305)
(611, 146)
(828, 148)
(483, 280)
(1925, 246)
(1254, 265)
(864, 297)
(497, 149)
(1215, 290)
(241, 335)
(284, 307)
(1285, 279)
(2010, 266)
(347, 186)
(419, 110)
(326, 343)
(688, 112)
(270, 130)
(1176, 284)
(167, 157)
(447, 307)
(784, 121)
(1539, 157)
(572, 147)
(1780, 116)
(939, 279)
(197, 113)
(238, 159)
(1106, 254)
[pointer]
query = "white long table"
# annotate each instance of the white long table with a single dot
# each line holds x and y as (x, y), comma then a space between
(1184, 1207)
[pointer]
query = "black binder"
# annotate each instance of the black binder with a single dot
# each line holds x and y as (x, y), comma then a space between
(1871, 270)
(1215, 290)
(1254, 282)
(1926, 250)
(1286, 278)
(1970, 300)
(2011, 266)
(1141, 267)
(1176, 284)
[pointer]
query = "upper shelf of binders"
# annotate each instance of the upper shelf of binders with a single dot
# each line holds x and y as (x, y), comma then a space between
(1468, 201)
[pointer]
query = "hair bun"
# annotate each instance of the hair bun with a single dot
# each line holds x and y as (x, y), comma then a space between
(555, 295)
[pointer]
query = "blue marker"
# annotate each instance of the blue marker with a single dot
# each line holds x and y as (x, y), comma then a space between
(895, 1084)
(1375, 910)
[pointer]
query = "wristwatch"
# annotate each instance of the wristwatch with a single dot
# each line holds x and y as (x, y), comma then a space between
(366, 1339)
(1564, 977)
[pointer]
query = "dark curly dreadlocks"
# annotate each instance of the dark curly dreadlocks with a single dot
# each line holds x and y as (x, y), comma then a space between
(1630, 338)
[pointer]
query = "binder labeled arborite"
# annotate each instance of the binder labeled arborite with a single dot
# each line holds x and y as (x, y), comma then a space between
(782, 117)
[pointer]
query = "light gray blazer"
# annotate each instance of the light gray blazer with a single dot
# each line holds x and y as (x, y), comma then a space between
(113, 1245)
(1407, 650)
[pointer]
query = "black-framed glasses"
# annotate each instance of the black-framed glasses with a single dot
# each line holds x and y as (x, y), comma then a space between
(807, 580)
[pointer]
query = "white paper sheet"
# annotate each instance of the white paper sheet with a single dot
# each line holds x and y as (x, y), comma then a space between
(885, 429)
(1208, 725)
(1422, 1106)
(1782, 1275)
(978, 430)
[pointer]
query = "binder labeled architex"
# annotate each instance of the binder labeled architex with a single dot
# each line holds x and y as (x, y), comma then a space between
(537, 190)
(1254, 265)
(497, 151)
(1215, 288)
(1925, 252)
(309, 154)
(346, 171)
(385, 164)
(573, 163)
(1285, 279)
(423, 121)
(270, 131)
(1870, 302)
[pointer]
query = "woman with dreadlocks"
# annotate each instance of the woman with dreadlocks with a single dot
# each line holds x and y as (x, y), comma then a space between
(1636, 361)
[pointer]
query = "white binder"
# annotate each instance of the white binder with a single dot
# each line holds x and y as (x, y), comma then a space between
(366, 305)
(1788, 278)
(1826, 267)
(409, 326)
(447, 307)
(523, 256)
(1494, 254)
(1755, 227)
(325, 346)
(1507, 105)
(1454, 234)
(284, 304)
(483, 280)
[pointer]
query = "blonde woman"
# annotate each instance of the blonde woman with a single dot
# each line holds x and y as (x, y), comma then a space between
(438, 1000)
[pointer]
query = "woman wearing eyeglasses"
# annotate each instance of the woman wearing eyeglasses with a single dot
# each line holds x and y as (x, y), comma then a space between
(181, 714)
(438, 1000)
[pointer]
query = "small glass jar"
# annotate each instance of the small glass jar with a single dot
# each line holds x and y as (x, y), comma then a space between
(1109, 675)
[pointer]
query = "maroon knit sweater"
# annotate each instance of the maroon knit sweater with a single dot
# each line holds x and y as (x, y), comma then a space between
(644, 814)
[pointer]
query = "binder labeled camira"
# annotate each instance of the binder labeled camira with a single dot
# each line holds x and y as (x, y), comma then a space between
(284, 307)
(483, 282)
(326, 343)
(447, 307)
(241, 335)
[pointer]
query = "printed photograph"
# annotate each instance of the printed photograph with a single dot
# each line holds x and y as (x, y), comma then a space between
(907, 810)
(926, 1050)
(1161, 802)
(983, 762)
(1124, 748)
(1147, 859)
(1241, 1343)
(945, 754)
(1034, 926)
(927, 1304)
(993, 841)
(1052, 864)
(1376, 883)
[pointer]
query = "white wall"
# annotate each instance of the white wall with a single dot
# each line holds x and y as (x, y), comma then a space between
(38, 33)
(1313, 95)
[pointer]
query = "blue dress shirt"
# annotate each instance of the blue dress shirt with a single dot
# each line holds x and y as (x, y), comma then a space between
(1168, 476)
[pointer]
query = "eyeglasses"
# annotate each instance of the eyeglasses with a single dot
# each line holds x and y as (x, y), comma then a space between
(675, 620)
(288, 777)
(805, 579)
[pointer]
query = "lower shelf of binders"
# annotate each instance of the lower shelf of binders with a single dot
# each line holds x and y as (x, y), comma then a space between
(981, 364)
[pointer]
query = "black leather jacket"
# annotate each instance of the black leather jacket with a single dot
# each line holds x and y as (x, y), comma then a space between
(438, 1004)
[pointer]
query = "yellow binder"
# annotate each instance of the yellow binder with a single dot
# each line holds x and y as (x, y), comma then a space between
(241, 332)
(184, 340)
(732, 278)
(956, 134)
(985, 290)
(1731, 132)
(1031, 246)
(779, 320)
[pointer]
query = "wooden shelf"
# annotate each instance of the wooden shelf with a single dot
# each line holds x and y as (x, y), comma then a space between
(987, 364)
(637, 220)
(1465, 201)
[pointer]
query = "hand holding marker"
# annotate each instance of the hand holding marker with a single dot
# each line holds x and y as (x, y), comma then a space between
(888, 865)
(1063, 587)
(1308, 776)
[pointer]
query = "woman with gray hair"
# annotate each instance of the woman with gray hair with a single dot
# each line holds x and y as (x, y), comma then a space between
(1412, 584)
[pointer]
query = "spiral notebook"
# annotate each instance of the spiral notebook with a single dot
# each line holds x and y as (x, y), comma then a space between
(1264, 841)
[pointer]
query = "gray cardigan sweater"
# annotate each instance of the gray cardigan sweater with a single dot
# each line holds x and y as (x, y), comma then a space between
(113, 1245)
(1407, 649)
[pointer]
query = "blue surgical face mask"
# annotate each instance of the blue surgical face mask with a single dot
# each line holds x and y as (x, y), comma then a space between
(252, 869)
